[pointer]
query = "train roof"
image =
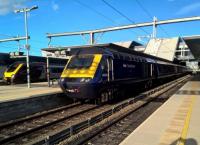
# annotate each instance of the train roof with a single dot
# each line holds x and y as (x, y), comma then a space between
(102, 48)
(5, 59)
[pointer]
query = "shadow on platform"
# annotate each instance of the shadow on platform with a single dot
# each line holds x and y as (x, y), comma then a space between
(189, 141)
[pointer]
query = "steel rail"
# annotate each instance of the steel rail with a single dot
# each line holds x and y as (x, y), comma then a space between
(125, 118)
(28, 131)
(37, 115)
(90, 122)
(67, 132)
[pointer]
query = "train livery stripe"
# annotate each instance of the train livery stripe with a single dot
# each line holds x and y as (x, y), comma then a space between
(83, 73)
(9, 74)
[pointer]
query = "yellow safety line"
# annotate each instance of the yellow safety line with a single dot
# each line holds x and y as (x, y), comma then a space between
(186, 124)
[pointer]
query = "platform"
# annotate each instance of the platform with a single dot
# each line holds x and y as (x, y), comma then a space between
(176, 122)
(20, 91)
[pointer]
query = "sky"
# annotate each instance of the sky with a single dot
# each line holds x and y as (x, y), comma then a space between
(57, 16)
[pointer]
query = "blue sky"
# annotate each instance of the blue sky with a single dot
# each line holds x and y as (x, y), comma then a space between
(74, 15)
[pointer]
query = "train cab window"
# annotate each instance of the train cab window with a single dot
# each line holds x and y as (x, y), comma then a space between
(81, 61)
(12, 67)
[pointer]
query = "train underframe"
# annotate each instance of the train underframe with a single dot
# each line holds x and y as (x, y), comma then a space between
(104, 92)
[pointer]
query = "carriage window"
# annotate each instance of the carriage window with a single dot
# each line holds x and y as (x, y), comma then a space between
(80, 62)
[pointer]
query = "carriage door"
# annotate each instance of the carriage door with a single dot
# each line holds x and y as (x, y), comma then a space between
(151, 70)
(110, 69)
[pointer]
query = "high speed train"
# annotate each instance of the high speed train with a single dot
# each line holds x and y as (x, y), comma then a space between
(17, 72)
(96, 71)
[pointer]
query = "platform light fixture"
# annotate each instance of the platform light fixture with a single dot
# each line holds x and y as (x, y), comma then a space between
(27, 46)
(17, 53)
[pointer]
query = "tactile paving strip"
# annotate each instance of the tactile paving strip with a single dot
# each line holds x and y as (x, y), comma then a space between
(177, 128)
(187, 92)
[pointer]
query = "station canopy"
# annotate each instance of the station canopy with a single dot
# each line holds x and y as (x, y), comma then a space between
(163, 48)
(193, 43)
(166, 47)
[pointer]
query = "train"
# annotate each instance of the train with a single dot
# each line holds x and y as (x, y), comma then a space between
(4, 62)
(97, 71)
(16, 73)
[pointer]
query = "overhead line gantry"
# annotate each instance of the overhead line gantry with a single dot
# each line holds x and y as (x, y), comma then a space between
(154, 24)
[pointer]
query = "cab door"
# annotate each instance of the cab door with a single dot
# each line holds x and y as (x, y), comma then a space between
(107, 69)
(110, 69)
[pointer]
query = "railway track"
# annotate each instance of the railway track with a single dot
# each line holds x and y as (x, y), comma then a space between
(18, 131)
(54, 127)
(36, 115)
(126, 108)
(115, 133)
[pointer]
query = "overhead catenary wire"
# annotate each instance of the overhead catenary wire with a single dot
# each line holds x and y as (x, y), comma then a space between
(6, 35)
(123, 15)
(150, 16)
(100, 14)
(95, 11)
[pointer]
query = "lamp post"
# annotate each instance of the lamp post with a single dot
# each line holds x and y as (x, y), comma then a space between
(27, 46)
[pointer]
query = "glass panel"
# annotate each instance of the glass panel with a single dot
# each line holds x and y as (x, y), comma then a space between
(80, 62)
(12, 67)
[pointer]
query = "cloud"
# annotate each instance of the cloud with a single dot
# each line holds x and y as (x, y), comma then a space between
(189, 8)
(7, 6)
(55, 6)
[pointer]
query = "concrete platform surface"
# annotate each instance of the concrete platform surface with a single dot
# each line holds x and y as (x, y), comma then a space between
(177, 122)
(20, 91)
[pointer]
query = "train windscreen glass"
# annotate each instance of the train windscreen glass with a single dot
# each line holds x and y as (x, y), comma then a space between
(12, 67)
(80, 62)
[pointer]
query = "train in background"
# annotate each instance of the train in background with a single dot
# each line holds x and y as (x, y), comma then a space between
(97, 71)
(5, 61)
(17, 72)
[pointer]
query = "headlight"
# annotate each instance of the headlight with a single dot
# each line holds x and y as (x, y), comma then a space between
(85, 80)
(62, 79)
(12, 77)
(82, 80)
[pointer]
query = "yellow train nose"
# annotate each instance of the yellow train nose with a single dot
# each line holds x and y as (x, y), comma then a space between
(8, 74)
